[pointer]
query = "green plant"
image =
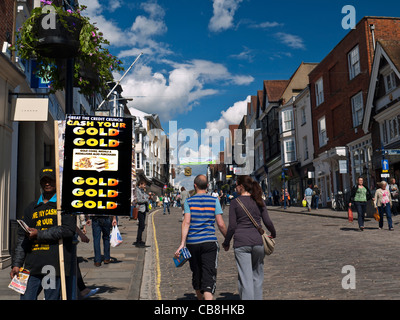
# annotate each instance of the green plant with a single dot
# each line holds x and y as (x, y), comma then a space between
(93, 53)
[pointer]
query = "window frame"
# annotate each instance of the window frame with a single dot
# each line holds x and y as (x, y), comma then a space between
(354, 66)
(355, 113)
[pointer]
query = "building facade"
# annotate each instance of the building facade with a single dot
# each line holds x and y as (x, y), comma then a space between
(338, 88)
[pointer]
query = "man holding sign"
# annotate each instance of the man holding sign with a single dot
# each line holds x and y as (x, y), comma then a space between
(37, 248)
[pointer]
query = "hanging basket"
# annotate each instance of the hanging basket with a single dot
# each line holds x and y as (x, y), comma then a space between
(61, 42)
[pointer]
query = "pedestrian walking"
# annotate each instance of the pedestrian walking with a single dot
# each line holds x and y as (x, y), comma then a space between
(184, 195)
(143, 205)
(198, 235)
(39, 248)
(248, 244)
(316, 193)
(359, 195)
(166, 203)
(308, 193)
(394, 192)
(383, 201)
(275, 195)
(101, 229)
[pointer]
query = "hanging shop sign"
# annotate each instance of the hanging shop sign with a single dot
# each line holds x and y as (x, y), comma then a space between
(31, 109)
(97, 173)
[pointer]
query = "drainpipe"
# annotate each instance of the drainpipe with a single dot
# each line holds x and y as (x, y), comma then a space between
(372, 27)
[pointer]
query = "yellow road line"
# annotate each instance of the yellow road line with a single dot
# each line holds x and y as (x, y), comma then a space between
(158, 281)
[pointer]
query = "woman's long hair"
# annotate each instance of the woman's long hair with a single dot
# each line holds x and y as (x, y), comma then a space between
(253, 188)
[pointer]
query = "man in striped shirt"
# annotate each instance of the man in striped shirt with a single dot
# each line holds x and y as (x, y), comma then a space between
(198, 235)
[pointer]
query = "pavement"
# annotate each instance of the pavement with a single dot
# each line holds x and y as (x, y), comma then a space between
(312, 249)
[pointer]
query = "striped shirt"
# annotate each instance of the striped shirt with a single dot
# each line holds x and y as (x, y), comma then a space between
(202, 209)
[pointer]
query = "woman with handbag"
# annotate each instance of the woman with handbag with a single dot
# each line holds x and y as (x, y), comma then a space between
(248, 242)
(360, 194)
(383, 201)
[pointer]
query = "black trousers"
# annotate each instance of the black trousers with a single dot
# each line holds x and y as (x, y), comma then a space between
(141, 219)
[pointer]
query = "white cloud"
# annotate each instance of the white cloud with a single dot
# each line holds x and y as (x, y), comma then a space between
(141, 34)
(246, 54)
(291, 40)
(224, 11)
(180, 90)
(265, 25)
(233, 115)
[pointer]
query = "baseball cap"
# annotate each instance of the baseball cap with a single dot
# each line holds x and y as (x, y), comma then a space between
(49, 172)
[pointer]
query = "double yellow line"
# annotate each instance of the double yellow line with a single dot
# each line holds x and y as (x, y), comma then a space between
(158, 278)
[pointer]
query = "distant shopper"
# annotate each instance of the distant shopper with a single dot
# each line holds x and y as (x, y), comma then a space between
(316, 194)
(394, 192)
(143, 204)
(184, 195)
(198, 235)
(308, 193)
(360, 194)
(383, 201)
(39, 248)
(166, 203)
(248, 244)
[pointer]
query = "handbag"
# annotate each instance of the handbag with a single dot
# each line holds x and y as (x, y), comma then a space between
(268, 242)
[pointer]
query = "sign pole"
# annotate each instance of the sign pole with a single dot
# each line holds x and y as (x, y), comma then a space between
(60, 243)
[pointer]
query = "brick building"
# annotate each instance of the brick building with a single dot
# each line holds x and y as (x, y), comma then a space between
(339, 87)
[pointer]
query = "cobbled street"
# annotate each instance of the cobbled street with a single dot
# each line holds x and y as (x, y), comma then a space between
(307, 264)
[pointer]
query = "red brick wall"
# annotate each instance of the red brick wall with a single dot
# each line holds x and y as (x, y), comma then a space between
(6, 19)
(338, 88)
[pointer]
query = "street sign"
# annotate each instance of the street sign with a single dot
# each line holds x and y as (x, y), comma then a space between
(188, 171)
(385, 175)
(392, 152)
(385, 165)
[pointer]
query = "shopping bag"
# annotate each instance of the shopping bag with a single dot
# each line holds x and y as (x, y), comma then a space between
(115, 237)
(376, 215)
(304, 203)
(350, 214)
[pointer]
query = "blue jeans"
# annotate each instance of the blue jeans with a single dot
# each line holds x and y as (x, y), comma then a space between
(361, 207)
(316, 200)
(382, 210)
(166, 205)
(34, 288)
(99, 226)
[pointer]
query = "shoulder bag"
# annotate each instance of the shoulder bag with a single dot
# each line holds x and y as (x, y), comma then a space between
(269, 243)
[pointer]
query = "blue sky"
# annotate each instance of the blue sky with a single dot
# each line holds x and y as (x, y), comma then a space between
(203, 58)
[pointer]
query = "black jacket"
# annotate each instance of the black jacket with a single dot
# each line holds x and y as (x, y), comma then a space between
(33, 255)
(354, 191)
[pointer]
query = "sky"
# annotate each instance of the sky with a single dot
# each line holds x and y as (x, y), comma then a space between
(202, 59)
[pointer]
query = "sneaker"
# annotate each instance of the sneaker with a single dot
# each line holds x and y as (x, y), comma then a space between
(391, 229)
(91, 293)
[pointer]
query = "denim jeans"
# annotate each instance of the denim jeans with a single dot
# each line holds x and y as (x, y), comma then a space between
(34, 288)
(382, 210)
(361, 207)
(100, 226)
(166, 205)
